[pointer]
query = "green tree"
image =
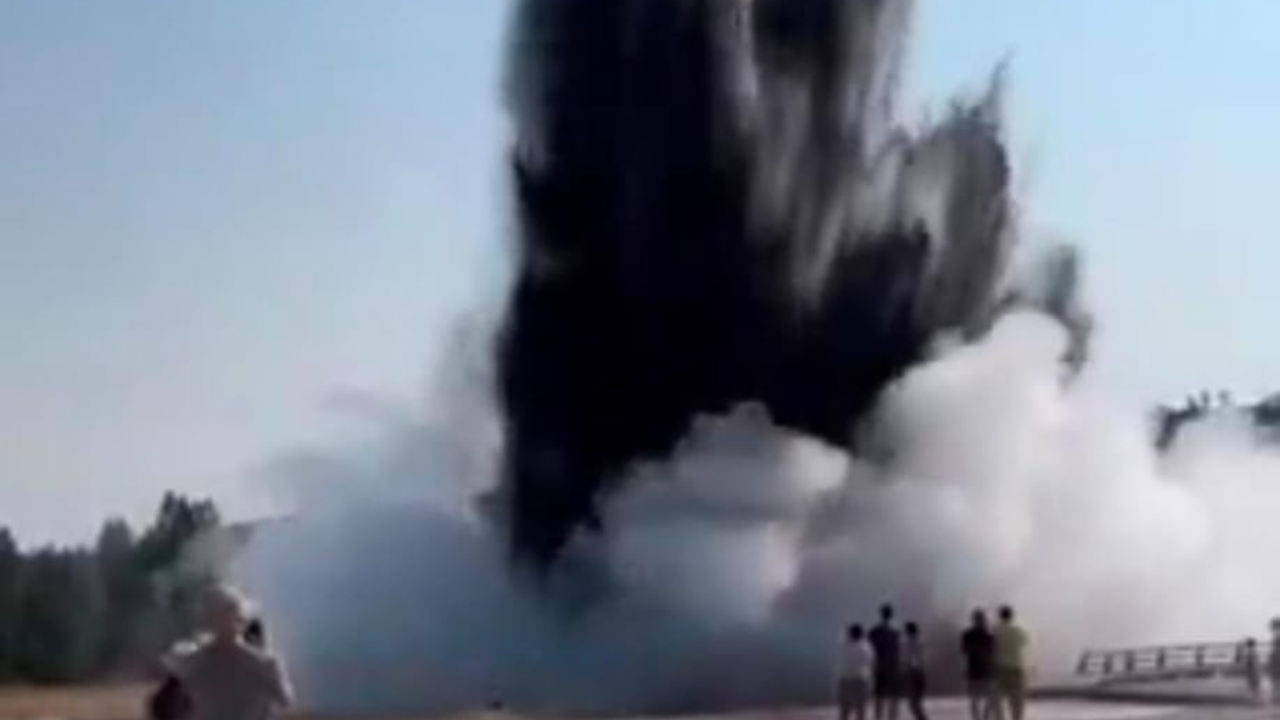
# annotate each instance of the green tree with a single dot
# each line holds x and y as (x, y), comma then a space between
(60, 614)
(126, 595)
(10, 576)
(69, 615)
(164, 555)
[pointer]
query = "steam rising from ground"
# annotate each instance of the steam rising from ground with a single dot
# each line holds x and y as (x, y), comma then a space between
(729, 569)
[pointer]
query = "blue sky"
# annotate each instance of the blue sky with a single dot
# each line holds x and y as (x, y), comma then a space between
(216, 217)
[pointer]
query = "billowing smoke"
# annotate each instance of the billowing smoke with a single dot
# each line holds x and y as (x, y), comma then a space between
(728, 569)
(760, 372)
(716, 206)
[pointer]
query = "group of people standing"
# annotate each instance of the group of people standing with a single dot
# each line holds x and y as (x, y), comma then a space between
(885, 665)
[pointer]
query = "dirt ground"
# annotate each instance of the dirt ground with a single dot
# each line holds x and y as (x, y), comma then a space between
(123, 702)
(97, 703)
(126, 702)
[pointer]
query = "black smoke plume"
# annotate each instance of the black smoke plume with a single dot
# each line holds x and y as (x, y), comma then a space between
(716, 204)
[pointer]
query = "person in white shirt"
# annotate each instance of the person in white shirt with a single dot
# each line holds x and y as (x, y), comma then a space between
(226, 677)
(853, 682)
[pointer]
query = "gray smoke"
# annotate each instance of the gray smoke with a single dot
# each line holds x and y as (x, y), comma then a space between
(729, 569)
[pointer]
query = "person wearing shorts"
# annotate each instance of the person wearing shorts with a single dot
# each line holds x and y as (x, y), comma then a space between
(853, 674)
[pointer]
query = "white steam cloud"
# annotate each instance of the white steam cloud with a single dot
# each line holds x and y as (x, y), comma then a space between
(729, 570)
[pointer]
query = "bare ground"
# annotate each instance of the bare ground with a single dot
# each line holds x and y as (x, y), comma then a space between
(88, 703)
(126, 702)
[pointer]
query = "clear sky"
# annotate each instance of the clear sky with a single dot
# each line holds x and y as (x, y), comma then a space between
(217, 217)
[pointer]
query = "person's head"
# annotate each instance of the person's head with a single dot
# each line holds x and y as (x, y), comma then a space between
(1250, 643)
(1006, 614)
(911, 629)
(979, 618)
(886, 612)
(226, 612)
(854, 632)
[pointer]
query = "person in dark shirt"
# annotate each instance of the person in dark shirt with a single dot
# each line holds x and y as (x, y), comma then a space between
(169, 701)
(978, 645)
(886, 644)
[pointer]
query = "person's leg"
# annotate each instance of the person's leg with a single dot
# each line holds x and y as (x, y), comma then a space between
(916, 705)
(880, 704)
(991, 701)
(1004, 692)
(917, 693)
(844, 699)
(1018, 694)
(860, 701)
(975, 701)
(1003, 698)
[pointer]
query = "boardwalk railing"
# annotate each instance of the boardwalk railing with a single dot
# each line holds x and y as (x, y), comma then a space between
(1165, 662)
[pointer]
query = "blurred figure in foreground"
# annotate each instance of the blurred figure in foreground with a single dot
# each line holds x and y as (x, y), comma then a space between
(913, 671)
(853, 674)
(170, 700)
(226, 676)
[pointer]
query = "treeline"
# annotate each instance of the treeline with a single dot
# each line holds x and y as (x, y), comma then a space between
(89, 613)
(1171, 419)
